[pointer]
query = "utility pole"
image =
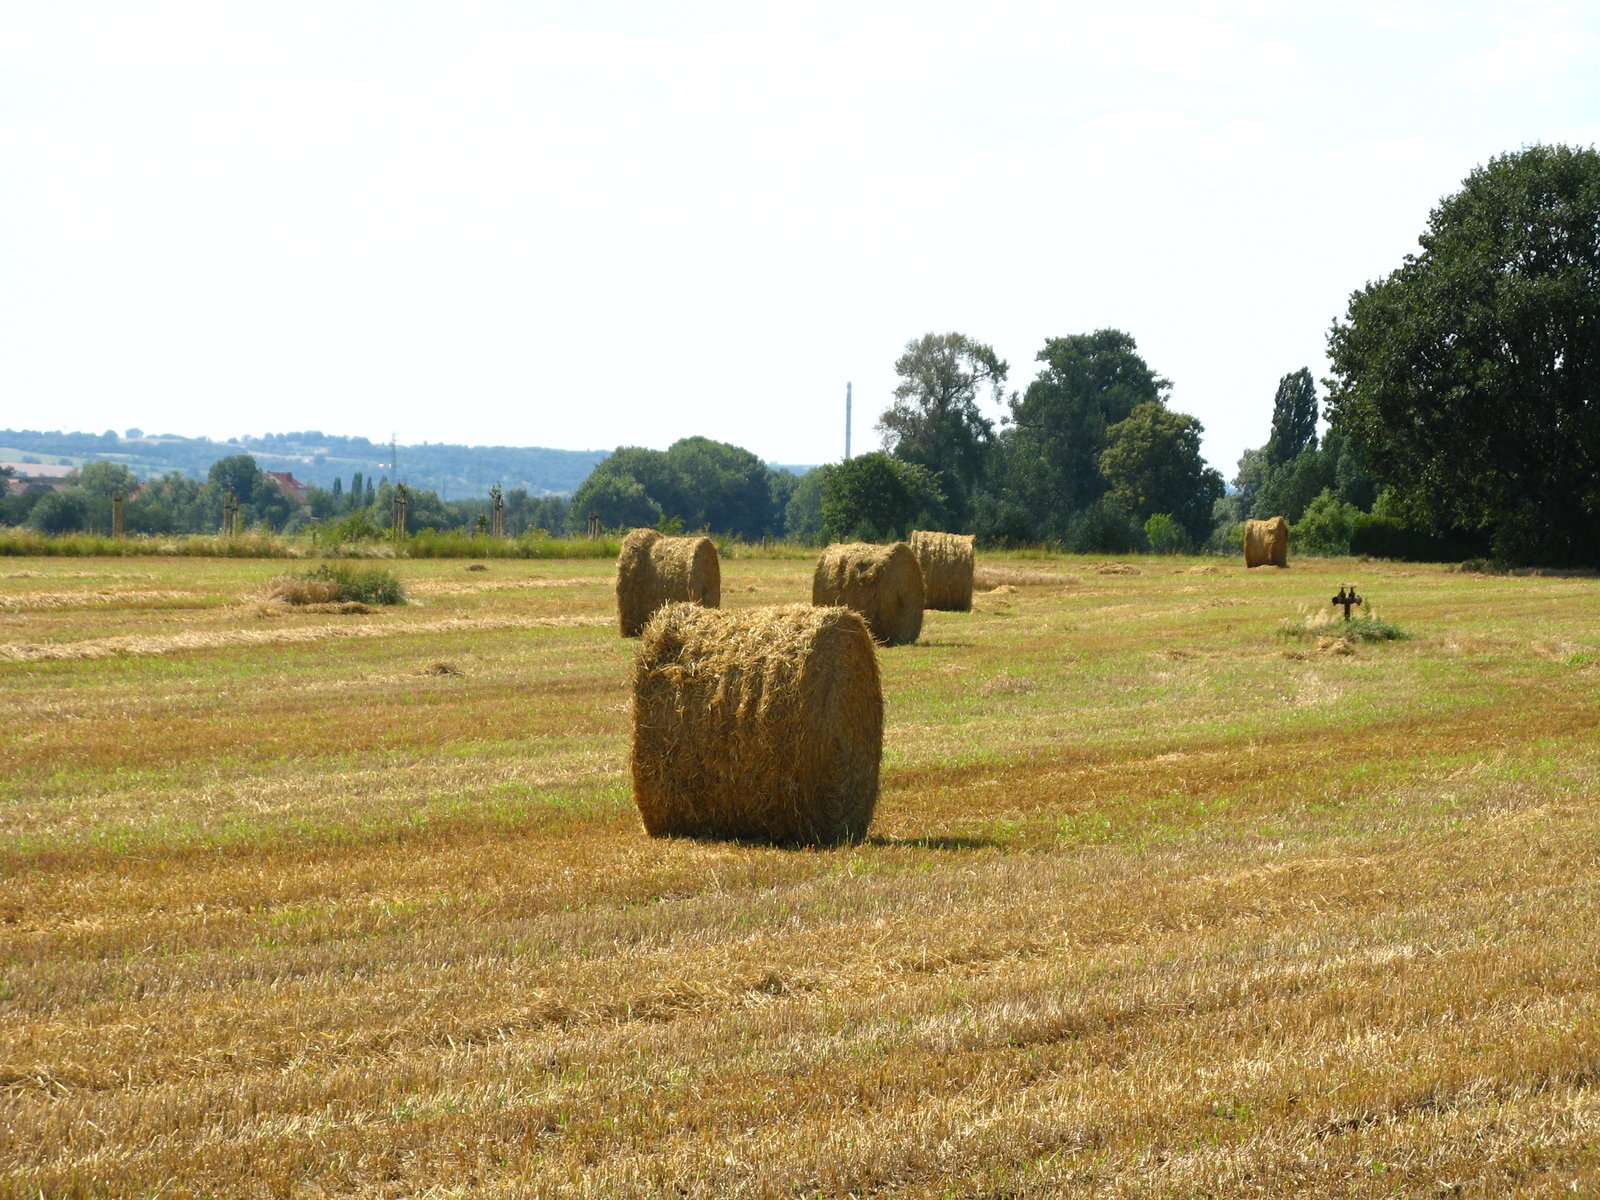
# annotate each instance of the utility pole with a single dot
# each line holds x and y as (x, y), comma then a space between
(394, 457)
(847, 422)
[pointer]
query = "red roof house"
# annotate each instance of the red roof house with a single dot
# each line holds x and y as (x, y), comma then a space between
(289, 486)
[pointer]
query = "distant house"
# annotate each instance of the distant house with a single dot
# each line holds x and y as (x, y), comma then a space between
(35, 475)
(290, 487)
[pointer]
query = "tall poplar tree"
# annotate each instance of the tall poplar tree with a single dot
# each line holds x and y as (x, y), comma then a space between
(1294, 418)
(935, 421)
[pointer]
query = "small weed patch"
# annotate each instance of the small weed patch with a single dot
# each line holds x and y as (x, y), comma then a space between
(1325, 627)
(339, 585)
(1371, 629)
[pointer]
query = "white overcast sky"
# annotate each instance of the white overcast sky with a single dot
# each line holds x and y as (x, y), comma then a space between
(600, 223)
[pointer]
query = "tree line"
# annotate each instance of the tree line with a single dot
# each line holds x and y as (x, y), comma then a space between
(1090, 457)
(319, 458)
(1462, 410)
(1462, 418)
(175, 503)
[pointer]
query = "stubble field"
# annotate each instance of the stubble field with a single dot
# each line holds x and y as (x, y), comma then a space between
(1158, 901)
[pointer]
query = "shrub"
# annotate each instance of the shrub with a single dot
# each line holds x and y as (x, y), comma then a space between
(358, 525)
(341, 585)
(1390, 537)
(1226, 538)
(1164, 534)
(1324, 624)
(368, 585)
(1325, 526)
(1105, 527)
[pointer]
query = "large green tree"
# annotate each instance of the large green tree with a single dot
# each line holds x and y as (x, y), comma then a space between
(1287, 489)
(935, 421)
(1248, 480)
(1294, 417)
(696, 482)
(724, 489)
(98, 481)
(101, 479)
(60, 512)
(802, 515)
(876, 497)
(1153, 464)
(1469, 378)
(237, 473)
(634, 486)
(1088, 383)
(525, 512)
(618, 500)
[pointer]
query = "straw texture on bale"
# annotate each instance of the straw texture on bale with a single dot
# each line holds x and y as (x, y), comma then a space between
(1266, 543)
(946, 562)
(653, 570)
(761, 724)
(882, 583)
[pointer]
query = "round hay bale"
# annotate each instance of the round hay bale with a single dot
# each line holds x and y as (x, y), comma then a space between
(1266, 543)
(653, 570)
(882, 583)
(764, 724)
(946, 562)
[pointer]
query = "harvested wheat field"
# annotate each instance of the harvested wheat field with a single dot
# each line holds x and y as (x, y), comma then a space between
(1169, 891)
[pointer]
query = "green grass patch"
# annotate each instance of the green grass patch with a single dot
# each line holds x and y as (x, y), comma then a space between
(1366, 628)
(339, 584)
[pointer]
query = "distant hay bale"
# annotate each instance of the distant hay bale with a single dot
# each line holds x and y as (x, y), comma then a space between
(946, 562)
(1266, 543)
(653, 570)
(882, 583)
(764, 724)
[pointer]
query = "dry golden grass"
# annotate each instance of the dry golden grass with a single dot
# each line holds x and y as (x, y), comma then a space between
(1152, 905)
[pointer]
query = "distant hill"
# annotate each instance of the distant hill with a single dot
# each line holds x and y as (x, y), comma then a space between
(455, 472)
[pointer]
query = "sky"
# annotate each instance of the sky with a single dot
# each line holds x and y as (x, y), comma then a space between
(601, 223)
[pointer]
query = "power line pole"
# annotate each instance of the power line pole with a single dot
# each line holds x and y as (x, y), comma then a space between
(847, 422)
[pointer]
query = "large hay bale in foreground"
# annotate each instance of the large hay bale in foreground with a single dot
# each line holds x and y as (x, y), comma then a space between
(882, 583)
(1266, 543)
(653, 570)
(763, 724)
(946, 562)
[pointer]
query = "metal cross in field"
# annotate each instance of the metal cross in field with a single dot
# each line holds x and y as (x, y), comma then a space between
(1347, 597)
